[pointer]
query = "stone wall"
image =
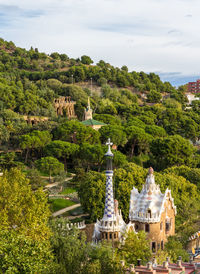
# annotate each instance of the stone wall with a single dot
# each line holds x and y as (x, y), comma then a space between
(65, 105)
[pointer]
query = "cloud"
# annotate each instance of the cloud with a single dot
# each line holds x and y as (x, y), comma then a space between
(147, 35)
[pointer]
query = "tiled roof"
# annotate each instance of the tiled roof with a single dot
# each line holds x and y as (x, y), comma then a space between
(92, 122)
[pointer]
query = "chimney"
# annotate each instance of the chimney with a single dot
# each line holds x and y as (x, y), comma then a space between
(122, 263)
(154, 262)
(138, 262)
(191, 259)
(165, 265)
(149, 266)
(179, 264)
(168, 260)
(131, 268)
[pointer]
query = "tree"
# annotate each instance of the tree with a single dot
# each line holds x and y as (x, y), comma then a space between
(155, 131)
(22, 209)
(61, 150)
(55, 55)
(35, 179)
(119, 159)
(138, 140)
(7, 160)
(172, 150)
(91, 155)
(116, 133)
(108, 119)
(34, 140)
(75, 132)
(86, 60)
(49, 165)
(153, 96)
(136, 247)
(69, 247)
(75, 255)
(91, 192)
(190, 174)
(175, 249)
(21, 254)
(103, 259)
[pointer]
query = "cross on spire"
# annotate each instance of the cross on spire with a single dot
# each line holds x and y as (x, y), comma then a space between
(109, 152)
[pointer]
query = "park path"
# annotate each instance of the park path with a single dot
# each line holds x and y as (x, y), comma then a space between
(56, 183)
(61, 211)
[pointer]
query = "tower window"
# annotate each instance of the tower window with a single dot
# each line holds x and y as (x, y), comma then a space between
(161, 226)
(162, 245)
(149, 213)
(153, 246)
(167, 226)
(147, 228)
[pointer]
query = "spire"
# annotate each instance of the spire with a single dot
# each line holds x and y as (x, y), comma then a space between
(150, 186)
(109, 152)
(88, 103)
(88, 111)
(109, 212)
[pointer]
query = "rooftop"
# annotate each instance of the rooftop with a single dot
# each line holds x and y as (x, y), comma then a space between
(92, 122)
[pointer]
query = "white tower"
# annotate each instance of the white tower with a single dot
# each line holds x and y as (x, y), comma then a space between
(111, 226)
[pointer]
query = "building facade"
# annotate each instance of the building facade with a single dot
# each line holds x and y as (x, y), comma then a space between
(153, 211)
(194, 87)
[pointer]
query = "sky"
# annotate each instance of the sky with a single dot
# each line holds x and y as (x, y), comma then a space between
(160, 36)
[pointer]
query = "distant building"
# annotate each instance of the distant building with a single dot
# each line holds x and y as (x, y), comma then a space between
(89, 121)
(191, 98)
(194, 87)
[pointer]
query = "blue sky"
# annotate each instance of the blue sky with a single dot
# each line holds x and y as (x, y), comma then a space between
(160, 36)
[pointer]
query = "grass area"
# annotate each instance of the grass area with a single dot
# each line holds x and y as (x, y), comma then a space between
(73, 212)
(68, 190)
(76, 211)
(57, 204)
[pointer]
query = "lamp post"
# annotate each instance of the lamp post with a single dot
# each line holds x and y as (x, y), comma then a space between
(91, 83)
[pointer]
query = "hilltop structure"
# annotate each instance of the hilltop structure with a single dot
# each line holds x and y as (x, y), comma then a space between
(111, 226)
(150, 210)
(153, 212)
(64, 104)
(34, 120)
(88, 119)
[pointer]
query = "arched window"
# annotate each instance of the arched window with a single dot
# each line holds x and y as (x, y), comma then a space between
(149, 213)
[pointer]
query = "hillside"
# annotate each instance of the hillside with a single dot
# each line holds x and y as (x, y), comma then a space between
(146, 119)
